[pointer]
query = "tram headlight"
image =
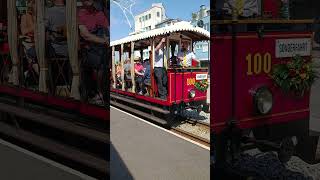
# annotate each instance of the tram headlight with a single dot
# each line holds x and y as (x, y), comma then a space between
(263, 100)
(192, 93)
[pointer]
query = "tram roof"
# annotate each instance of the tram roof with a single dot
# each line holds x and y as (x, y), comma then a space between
(196, 33)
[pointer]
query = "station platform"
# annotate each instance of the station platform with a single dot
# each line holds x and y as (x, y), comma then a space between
(17, 163)
(315, 97)
(142, 151)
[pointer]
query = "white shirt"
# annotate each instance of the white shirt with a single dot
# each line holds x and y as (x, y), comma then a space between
(188, 56)
(248, 8)
(158, 58)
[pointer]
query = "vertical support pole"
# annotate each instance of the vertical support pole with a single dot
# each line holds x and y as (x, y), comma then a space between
(113, 62)
(152, 68)
(179, 49)
(168, 52)
(122, 63)
(40, 44)
(141, 54)
(132, 68)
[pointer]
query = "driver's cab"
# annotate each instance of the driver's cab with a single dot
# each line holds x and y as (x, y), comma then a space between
(181, 52)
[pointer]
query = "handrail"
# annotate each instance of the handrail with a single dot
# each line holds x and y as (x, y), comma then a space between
(196, 68)
(263, 21)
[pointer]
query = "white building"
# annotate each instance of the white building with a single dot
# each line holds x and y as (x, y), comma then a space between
(148, 19)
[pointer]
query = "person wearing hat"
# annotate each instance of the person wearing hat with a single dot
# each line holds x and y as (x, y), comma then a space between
(139, 73)
(186, 56)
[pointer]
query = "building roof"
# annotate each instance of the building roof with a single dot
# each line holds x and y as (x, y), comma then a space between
(199, 33)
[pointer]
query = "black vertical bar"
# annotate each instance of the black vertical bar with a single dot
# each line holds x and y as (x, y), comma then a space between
(234, 61)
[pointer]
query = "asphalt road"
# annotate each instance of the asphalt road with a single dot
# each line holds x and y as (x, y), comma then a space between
(19, 164)
(144, 152)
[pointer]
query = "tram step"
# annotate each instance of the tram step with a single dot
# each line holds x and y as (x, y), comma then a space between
(153, 108)
(56, 148)
(55, 123)
(141, 114)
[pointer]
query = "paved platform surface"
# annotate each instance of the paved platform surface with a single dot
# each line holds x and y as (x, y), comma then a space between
(315, 97)
(18, 164)
(144, 152)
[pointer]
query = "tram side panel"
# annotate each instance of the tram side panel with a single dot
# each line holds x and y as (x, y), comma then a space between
(181, 83)
(254, 60)
(221, 82)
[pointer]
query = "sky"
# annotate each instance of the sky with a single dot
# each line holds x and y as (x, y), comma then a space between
(181, 9)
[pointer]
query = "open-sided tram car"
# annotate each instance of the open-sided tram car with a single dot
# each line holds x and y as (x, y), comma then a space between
(247, 105)
(181, 89)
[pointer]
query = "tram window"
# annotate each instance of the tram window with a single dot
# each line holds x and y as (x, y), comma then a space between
(57, 48)
(174, 49)
(94, 37)
(5, 61)
(26, 16)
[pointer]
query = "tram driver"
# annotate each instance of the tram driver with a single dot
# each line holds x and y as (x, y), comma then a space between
(186, 56)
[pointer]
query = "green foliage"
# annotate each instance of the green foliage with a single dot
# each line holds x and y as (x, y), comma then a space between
(295, 76)
(201, 85)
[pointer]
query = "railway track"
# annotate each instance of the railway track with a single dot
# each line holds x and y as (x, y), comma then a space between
(160, 121)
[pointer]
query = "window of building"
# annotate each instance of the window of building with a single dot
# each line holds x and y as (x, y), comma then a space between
(146, 17)
(205, 48)
(206, 26)
(140, 19)
(158, 14)
(149, 16)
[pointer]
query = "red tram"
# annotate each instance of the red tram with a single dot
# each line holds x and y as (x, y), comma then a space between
(186, 86)
(261, 95)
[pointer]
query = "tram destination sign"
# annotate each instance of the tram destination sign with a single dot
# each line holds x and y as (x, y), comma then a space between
(201, 77)
(291, 47)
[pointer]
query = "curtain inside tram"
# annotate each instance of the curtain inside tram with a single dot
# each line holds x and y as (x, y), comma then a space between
(72, 34)
(13, 41)
(40, 44)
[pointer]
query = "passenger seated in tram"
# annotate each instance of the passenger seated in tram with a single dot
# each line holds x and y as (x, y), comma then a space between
(186, 56)
(93, 26)
(56, 29)
(147, 75)
(57, 46)
(127, 73)
(139, 75)
(31, 69)
(118, 75)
